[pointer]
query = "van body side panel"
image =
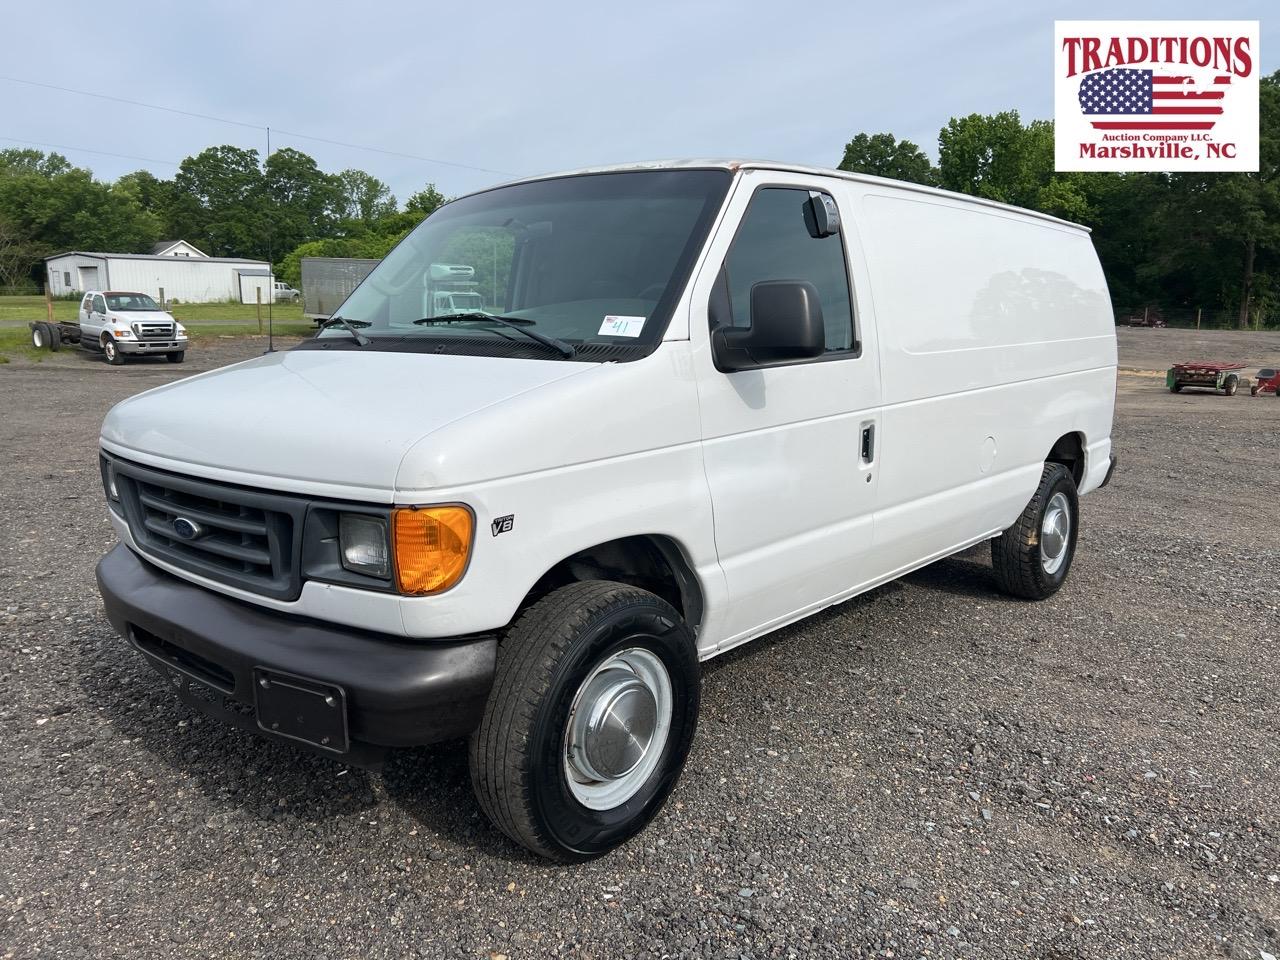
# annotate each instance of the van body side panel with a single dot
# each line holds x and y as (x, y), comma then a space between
(996, 338)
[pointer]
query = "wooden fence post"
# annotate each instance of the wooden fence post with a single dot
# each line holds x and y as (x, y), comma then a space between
(48, 303)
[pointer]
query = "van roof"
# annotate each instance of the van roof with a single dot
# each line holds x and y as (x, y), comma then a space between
(735, 165)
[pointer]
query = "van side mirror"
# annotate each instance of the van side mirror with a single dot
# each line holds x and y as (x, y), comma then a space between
(786, 325)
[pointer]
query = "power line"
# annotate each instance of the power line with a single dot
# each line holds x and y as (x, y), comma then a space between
(389, 153)
(251, 126)
(63, 146)
(133, 103)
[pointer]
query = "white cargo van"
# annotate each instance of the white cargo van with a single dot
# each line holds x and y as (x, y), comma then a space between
(701, 400)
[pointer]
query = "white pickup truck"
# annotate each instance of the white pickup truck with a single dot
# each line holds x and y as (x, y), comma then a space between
(702, 400)
(122, 323)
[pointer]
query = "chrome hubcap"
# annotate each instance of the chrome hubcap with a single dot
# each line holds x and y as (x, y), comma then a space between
(1055, 533)
(618, 726)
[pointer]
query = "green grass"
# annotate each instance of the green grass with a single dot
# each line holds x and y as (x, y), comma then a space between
(16, 341)
(288, 328)
(32, 308)
(190, 313)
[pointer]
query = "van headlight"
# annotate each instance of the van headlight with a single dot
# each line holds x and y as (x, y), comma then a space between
(362, 543)
(180, 330)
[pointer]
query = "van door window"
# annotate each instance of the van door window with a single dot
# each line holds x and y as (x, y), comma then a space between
(777, 241)
(87, 306)
(99, 304)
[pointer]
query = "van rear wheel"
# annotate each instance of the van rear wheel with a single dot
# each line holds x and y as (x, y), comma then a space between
(590, 720)
(1032, 558)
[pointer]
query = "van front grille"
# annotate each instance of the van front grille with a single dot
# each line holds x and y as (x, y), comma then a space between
(243, 538)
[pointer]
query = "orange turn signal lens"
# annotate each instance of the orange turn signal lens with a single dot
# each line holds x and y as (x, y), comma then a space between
(431, 546)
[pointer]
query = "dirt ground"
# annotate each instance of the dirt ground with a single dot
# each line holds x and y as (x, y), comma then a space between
(930, 770)
(1157, 350)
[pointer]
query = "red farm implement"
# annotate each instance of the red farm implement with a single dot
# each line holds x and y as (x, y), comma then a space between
(1267, 381)
(1221, 375)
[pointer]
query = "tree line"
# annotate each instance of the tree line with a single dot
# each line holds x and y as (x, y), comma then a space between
(1170, 243)
(225, 200)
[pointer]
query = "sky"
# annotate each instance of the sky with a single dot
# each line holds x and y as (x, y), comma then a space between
(482, 93)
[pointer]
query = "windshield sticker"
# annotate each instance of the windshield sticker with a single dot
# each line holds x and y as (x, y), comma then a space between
(621, 326)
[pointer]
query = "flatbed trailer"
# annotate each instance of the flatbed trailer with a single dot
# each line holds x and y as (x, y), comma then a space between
(1222, 375)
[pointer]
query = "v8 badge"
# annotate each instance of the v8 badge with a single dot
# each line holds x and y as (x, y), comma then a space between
(503, 524)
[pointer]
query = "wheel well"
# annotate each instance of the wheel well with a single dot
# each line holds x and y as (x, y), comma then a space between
(651, 562)
(1069, 451)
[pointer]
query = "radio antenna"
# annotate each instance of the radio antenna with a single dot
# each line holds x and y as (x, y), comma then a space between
(271, 274)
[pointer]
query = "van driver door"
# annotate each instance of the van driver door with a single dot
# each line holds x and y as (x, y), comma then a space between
(790, 448)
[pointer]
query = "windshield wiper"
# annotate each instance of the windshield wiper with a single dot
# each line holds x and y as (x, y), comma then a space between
(519, 324)
(349, 326)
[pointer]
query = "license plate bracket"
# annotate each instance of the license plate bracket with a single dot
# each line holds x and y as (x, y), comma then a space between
(302, 709)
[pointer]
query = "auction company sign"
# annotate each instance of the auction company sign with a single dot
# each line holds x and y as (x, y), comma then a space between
(1156, 94)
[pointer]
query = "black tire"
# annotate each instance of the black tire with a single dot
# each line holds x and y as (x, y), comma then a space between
(55, 336)
(1175, 387)
(1017, 556)
(177, 356)
(40, 335)
(1229, 385)
(112, 352)
(1253, 390)
(518, 752)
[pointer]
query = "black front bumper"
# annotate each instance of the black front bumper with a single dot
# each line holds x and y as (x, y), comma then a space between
(338, 690)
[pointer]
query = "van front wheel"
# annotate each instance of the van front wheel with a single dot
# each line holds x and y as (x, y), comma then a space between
(591, 716)
(1032, 558)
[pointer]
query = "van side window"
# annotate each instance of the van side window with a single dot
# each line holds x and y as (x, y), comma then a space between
(87, 306)
(100, 304)
(775, 242)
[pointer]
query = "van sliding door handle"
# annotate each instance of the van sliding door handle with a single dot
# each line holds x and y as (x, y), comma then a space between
(868, 443)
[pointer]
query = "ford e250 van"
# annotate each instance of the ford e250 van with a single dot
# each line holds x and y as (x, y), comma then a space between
(674, 407)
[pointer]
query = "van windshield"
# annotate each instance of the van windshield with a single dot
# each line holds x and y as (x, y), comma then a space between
(597, 258)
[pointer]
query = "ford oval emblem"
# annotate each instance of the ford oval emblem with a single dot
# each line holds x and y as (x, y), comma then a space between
(186, 529)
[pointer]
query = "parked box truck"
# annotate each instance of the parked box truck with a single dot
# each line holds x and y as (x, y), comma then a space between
(328, 281)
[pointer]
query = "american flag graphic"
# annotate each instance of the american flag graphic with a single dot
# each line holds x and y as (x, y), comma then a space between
(1145, 100)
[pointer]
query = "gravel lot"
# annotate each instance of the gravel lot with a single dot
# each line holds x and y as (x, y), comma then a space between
(930, 770)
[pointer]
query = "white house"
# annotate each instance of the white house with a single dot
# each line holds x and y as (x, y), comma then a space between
(176, 248)
(174, 270)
